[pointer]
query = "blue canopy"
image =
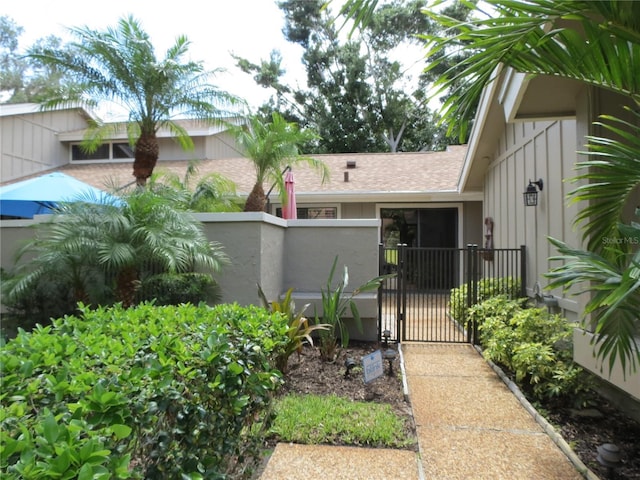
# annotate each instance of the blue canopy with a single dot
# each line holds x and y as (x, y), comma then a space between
(41, 195)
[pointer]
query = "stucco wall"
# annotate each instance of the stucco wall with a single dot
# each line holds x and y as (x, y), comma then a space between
(253, 243)
(273, 252)
(312, 245)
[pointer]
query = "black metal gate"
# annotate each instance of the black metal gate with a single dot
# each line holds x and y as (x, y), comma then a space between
(417, 305)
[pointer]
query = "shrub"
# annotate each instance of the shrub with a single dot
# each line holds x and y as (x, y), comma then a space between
(113, 248)
(534, 345)
(486, 288)
(498, 308)
(153, 392)
(178, 288)
(46, 298)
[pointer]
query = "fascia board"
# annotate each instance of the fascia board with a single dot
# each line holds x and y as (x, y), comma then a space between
(512, 92)
(482, 113)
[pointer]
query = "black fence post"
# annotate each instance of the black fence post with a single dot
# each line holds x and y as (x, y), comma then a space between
(523, 271)
(401, 290)
(381, 264)
(475, 273)
(472, 287)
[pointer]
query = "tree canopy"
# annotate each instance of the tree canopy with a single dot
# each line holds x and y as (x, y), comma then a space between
(361, 95)
(272, 145)
(23, 79)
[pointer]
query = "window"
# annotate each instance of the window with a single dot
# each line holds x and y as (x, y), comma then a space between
(122, 150)
(79, 153)
(313, 213)
(105, 152)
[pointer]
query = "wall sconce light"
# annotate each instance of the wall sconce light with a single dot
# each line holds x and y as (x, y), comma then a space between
(531, 194)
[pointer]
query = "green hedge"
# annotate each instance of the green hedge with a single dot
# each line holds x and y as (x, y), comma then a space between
(534, 345)
(149, 392)
(177, 288)
(487, 288)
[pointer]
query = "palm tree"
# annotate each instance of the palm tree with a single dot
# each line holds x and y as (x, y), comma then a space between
(212, 193)
(120, 65)
(596, 42)
(272, 146)
(102, 248)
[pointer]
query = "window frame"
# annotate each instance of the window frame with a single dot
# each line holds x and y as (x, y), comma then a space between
(278, 209)
(75, 147)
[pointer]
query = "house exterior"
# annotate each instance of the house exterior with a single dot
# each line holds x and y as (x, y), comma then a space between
(344, 217)
(423, 185)
(525, 130)
(33, 141)
(528, 129)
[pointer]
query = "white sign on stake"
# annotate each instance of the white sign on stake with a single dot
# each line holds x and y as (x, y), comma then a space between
(372, 366)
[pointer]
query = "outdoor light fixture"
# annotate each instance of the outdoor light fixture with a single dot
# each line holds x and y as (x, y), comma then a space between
(349, 363)
(390, 355)
(531, 194)
(386, 334)
(609, 456)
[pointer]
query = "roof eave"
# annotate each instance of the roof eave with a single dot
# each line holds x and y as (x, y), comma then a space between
(513, 97)
(388, 197)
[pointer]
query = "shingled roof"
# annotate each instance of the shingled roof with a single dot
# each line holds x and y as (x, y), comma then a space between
(374, 175)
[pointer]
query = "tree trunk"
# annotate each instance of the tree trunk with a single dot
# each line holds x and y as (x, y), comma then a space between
(256, 200)
(127, 284)
(146, 156)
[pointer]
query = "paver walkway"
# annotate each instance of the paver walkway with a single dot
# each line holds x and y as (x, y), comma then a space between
(469, 426)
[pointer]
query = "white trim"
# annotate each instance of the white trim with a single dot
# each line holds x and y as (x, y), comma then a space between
(388, 196)
(299, 204)
(7, 110)
(268, 218)
(110, 143)
(482, 113)
(339, 223)
(512, 92)
(10, 109)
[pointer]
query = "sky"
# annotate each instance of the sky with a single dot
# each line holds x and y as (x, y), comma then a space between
(248, 28)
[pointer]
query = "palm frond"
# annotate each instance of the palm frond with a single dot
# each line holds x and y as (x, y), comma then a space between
(614, 297)
(538, 37)
(612, 173)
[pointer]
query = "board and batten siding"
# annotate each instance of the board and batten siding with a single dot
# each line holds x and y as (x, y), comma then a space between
(530, 151)
(29, 142)
(210, 147)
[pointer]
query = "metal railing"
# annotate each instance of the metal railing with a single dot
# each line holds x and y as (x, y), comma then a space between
(416, 305)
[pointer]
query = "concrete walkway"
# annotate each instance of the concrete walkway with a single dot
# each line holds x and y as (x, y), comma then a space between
(470, 425)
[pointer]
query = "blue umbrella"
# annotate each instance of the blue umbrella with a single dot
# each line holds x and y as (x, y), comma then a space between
(41, 195)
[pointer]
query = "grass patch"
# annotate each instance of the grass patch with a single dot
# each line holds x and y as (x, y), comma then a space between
(329, 419)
